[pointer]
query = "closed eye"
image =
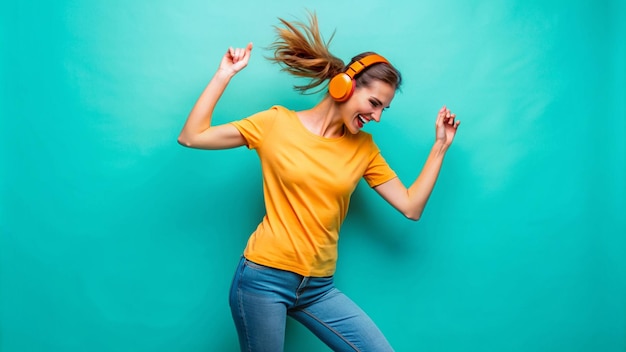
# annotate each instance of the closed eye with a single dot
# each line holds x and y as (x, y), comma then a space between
(375, 102)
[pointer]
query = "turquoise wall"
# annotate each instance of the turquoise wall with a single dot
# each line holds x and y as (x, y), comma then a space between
(115, 238)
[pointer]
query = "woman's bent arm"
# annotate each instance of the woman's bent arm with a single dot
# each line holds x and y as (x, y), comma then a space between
(197, 131)
(412, 201)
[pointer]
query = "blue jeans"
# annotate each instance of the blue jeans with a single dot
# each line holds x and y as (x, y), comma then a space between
(261, 298)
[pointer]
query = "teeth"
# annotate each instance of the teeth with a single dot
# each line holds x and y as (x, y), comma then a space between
(364, 121)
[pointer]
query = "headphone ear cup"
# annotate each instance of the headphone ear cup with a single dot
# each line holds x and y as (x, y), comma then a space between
(341, 87)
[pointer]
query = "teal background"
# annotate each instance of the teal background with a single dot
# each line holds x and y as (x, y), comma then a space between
(115, 238)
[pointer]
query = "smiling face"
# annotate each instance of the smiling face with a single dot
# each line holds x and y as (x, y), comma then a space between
(366, 104)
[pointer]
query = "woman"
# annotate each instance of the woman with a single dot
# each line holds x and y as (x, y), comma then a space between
(311, 162)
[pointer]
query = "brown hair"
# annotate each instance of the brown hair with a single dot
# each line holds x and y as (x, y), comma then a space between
(301, 50)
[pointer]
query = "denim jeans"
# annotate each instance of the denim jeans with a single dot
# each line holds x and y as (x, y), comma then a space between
(261, 298)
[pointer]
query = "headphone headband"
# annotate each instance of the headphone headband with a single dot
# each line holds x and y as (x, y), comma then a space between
(342, 85)
(359, 65)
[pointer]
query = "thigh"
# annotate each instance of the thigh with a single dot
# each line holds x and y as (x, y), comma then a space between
(258, 309)
(341, 324)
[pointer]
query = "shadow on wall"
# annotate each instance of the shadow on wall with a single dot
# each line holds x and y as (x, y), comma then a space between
(375, 220)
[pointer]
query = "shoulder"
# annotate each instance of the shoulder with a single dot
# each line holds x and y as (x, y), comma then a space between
(281, 110)
(273, 113)
(264, 116)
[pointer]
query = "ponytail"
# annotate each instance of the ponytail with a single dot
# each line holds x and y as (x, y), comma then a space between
(301, 50)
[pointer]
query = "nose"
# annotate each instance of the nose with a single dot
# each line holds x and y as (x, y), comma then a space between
(376, 116)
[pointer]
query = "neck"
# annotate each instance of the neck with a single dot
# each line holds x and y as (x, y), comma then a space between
(324, 119)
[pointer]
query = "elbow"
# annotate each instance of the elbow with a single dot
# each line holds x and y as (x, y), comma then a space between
(184, 141)
(413, 214)
(414, 217)
(409, 211)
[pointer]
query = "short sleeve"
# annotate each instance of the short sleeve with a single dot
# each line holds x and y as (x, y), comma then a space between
(256, 127)
(378, 171)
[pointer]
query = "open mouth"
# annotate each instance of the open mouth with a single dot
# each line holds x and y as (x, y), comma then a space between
(362, 119)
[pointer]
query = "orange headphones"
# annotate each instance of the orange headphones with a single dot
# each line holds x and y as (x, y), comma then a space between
(342, 85)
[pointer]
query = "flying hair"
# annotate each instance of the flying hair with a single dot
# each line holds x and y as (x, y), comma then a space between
(301, 51)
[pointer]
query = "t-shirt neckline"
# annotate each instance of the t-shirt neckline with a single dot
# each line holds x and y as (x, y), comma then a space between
(314, 135)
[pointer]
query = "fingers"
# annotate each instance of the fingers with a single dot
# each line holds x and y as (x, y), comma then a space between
(452, 121)
(239, 54)
(440, 116)
(446, 117)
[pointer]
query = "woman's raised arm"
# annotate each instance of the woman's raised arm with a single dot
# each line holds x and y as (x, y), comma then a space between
(197, 131)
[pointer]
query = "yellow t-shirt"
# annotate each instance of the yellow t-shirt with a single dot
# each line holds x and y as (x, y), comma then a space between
(307, 184)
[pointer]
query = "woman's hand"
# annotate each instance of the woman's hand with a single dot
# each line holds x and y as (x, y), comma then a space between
(236, 59)
(446, 126)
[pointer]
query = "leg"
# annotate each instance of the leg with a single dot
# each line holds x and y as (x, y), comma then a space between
(341, 324)
(258, 309)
